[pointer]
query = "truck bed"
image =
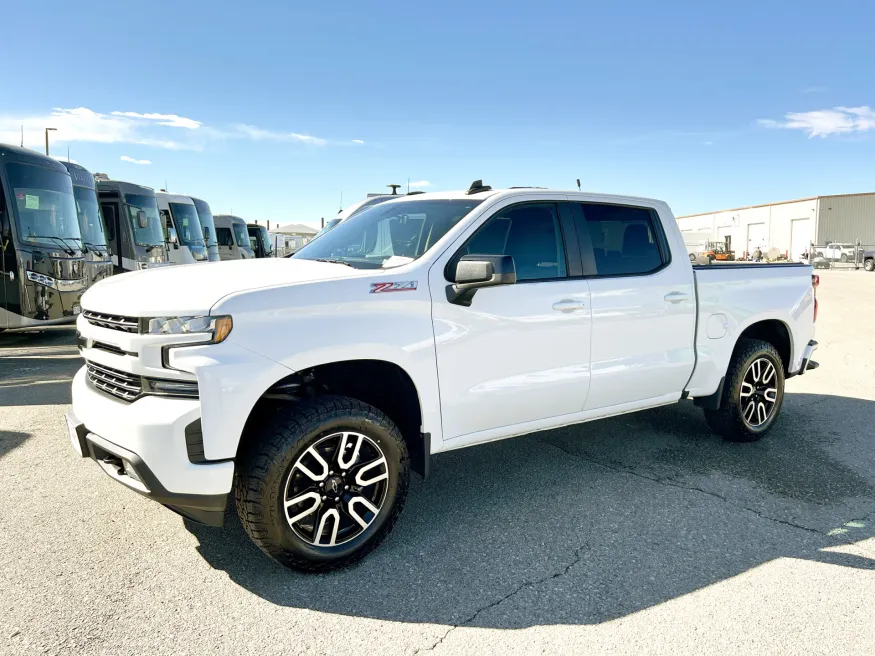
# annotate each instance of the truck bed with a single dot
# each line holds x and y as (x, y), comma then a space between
(731, 297)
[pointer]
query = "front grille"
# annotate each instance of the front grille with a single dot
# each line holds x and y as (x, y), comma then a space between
(109, 348)
(112, 321)
(119, 384)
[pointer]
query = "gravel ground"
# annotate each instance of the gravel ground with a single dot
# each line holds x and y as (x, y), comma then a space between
(639, 534)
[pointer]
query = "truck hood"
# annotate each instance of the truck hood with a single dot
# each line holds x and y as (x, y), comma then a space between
(193, 289)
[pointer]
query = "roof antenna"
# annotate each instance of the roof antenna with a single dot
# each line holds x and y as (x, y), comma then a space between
(22, 135)
(341, 203)
(394, 189)
(68, 153)
(476, 187)
(578, 184)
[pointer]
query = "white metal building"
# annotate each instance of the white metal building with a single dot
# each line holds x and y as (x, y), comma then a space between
(789, 226)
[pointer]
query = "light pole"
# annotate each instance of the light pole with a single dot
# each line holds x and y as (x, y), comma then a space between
(47, 139)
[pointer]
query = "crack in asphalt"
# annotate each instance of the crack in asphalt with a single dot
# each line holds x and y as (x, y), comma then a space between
(524, 585)
(670, 482)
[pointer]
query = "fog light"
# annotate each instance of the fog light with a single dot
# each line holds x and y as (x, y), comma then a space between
(130, 471)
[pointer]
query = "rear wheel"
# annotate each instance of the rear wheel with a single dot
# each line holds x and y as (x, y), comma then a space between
(753, 393)
(869, 265)
(322, 482)
(844, 257)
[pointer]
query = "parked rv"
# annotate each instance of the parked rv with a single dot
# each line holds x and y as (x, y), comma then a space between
(96, 248)
(180, 218)
(133, 225)
(259, 240)
(43, 263)
(209, 228)
(233, 238)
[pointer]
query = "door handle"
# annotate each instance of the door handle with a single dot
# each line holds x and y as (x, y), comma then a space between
(676, 297)
(568, 305)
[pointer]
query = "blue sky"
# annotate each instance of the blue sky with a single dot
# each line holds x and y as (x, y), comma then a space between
(273, 110)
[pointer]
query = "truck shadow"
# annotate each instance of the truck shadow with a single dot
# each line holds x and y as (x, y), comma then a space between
(37, 367)
(593, 522)
(10, 440)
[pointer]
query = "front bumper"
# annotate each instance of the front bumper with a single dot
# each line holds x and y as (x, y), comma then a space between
(150, 434)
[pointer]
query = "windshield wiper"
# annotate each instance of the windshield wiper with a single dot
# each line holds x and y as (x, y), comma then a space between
(64, 245)
(333, 261)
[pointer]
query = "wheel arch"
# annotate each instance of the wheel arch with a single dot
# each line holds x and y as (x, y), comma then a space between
(774, 331)
(396, 395)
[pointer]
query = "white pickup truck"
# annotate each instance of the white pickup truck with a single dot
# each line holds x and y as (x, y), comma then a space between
(309, 387)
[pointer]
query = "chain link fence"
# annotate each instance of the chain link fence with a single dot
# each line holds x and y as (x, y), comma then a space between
(841, 255)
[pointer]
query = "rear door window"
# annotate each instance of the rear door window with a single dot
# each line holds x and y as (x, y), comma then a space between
(624, 240)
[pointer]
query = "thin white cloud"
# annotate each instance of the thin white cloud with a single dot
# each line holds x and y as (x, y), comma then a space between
(826, 122)
(170, 120)
(165, 131)
(258, 134)
(125, 158)
(419, 184)
(357, 141)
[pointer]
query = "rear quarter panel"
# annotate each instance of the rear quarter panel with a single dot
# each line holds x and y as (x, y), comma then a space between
(733, 297)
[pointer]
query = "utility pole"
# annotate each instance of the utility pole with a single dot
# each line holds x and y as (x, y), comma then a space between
(47, 138)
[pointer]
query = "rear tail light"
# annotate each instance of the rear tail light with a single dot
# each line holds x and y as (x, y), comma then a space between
(815, 283)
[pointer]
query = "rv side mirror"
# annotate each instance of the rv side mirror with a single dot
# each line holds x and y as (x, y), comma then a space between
(206, 233)
(142, 219)
(476, 271)
(172, 237)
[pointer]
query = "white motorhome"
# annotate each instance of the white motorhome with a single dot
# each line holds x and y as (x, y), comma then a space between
(233, 237)
(185, 237)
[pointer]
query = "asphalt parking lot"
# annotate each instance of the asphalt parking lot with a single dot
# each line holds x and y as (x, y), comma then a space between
(639, 534)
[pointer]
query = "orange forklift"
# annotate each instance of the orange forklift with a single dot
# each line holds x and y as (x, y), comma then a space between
(719, 250)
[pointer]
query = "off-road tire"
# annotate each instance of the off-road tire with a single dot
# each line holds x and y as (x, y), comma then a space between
(269, 453)
(727, 421)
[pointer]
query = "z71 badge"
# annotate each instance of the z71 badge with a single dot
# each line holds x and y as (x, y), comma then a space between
(382, 287)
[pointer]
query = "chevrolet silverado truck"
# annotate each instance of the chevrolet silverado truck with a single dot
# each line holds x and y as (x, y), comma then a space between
(306, 389)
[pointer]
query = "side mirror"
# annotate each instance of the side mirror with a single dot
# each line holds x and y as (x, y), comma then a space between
(172, 237)
(142, 219)
(476, 271)
(206, 233)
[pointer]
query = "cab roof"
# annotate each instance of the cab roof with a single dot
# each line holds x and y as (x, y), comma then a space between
(174, 198)
(581, 196)
(10, 153)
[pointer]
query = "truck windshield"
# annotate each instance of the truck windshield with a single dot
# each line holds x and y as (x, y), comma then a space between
(188, 226)
(388, 234)
(333, 223)
(241, 235)
(90, 221)
(45, 211)
(152, 234)
(206, 220)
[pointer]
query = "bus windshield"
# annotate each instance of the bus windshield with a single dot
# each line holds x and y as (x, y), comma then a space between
(188, 226)
(90, 221)
(389, 234)
(45, 211)
(152, 234)
(259, 233)
(206, 219)
(241, 235)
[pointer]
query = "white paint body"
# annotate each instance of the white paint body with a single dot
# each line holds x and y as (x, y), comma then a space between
(178, 253)
(522, 357)
(237, 248)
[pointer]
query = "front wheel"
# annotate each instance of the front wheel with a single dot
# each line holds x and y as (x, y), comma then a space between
(322, 482)
(753, 393)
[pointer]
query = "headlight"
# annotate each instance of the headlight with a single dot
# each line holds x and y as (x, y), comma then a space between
(41, 279)
(217, 328)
